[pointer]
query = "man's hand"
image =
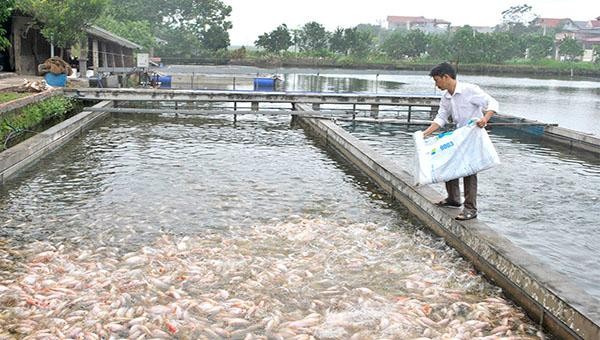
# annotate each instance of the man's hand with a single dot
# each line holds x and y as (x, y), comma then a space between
(486, 117)
(482, 122)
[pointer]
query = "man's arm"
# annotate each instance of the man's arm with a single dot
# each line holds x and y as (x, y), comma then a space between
(487, 102)
(486, 118)
(433, 127)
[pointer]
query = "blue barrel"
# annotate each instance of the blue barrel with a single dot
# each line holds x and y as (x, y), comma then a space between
(165, 82)
(56, 79)
(262, 84)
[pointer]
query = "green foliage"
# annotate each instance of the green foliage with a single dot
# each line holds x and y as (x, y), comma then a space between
(467, 45)
(313, 38)
(188, 26)
(501, 46)
(33, 115)
(278, 40)
(393, 45)
(540, 46)
(63, 21)
(570, 48)
(359, 41)
(181, 44)
(351, 41)
(239, 53)
(439, 48)
(8, 96)
(596, 54)
(6, 8)
(337, 42)
(138, 31)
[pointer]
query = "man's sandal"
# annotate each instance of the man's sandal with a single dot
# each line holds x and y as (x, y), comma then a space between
(463, 216)
(446, 203)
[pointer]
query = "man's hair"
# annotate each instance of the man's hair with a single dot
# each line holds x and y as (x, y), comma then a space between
(441, 69)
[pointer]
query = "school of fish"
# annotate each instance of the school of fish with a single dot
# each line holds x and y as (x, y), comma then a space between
(295, 279)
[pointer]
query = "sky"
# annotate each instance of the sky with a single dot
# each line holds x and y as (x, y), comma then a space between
(251, 18)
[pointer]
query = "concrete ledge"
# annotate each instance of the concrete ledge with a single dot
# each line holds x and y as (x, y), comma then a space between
(30, 151)
(548, 297)
(572, 139)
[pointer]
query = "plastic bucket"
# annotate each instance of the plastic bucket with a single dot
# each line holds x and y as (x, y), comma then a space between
(56, 79)
(264, 84)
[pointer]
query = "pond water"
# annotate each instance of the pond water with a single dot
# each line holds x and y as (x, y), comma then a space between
(190, 228)
(544, 200)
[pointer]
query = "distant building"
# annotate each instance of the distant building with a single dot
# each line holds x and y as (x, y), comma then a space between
(549, 24)
(421, 23)
(586, 33)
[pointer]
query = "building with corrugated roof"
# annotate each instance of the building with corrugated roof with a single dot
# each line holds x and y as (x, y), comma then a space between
(101, 48)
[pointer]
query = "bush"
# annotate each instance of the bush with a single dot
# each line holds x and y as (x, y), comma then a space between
(32, 116)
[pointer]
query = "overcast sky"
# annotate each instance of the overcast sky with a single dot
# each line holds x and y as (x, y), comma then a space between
(251, 18)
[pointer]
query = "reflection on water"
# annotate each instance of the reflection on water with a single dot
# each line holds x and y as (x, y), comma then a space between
(195, 228)
(544, 200)
(316, 83)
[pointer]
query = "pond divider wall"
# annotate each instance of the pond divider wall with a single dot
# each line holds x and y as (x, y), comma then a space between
(31, 150)
(574, 140)
(548, 297)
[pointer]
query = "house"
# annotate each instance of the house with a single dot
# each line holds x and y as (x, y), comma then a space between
(586, 33)
(421, 23)
(29, 48)
(548, 24)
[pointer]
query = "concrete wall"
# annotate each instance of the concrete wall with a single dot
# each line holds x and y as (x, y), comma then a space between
(27, 153)
(574, 140)
(548, 297)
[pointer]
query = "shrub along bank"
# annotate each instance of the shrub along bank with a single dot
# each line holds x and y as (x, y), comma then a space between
(17, 124)
(544, 67)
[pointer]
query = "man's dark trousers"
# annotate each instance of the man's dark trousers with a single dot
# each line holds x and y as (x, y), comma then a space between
(470, 186)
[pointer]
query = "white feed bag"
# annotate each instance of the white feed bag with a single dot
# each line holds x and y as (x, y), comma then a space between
(453, 154)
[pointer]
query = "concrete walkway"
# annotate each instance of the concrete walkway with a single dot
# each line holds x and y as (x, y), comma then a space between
(10, 79)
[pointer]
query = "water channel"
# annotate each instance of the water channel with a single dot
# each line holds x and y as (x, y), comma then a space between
(202, 228)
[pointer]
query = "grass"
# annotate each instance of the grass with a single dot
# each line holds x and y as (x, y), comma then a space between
(9, 96)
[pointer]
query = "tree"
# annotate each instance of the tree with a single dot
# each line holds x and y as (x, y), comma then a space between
(138, 31)
(337, 42)
(6, 8)
(63, 22)
(351, 41)
(359, 41)
(501, 47)
(439, 47)
(393, 45)
(519, 14)
(278, 40)
(539, 46)
(415, 43)
(570, 48)
(206, 20)
(313, 37)
(467, 45)
(596, 54)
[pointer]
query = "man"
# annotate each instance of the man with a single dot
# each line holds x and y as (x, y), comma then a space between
(461, 102)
